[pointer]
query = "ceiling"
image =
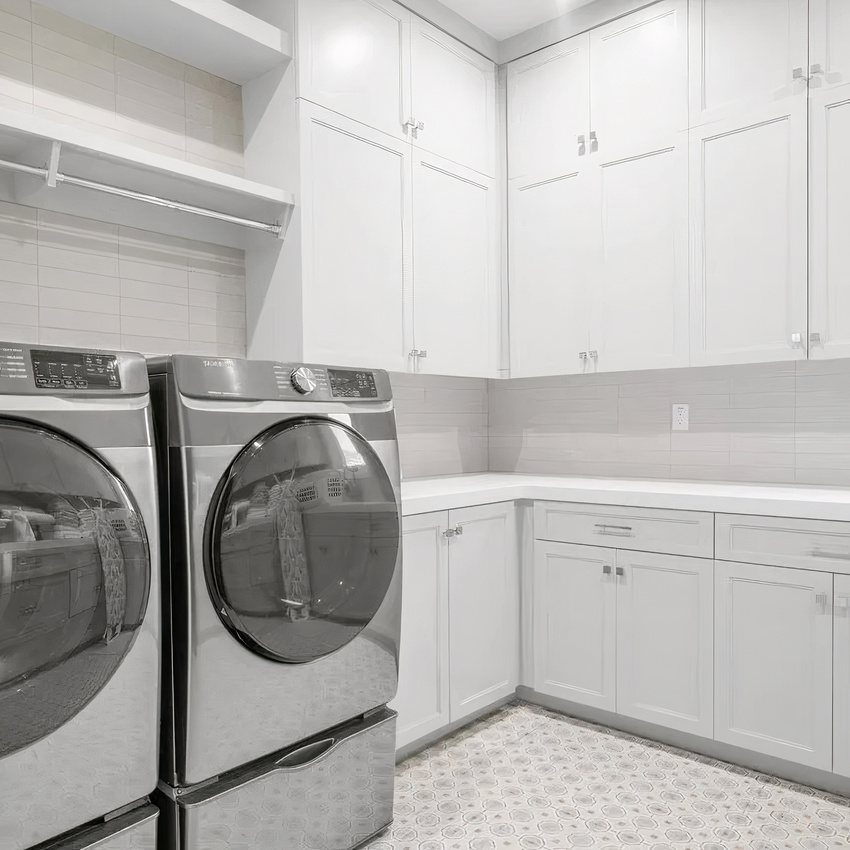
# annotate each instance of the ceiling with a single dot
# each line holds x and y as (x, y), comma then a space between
(504, 18)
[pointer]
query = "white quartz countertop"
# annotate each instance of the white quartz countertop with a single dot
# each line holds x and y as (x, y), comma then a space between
(422, 495)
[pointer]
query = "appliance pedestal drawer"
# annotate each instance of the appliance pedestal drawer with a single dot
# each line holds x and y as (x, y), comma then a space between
(332, 791)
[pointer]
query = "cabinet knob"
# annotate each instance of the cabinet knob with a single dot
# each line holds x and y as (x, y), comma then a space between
(594, 142)
(796, 339)
(581, 145)
(620, 572)
(815, 69)
(799, 74)
(606, 570)
(582, 355)
(593, 354)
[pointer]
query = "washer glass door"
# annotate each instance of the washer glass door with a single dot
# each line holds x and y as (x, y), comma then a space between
(74, 579)
(303, 540)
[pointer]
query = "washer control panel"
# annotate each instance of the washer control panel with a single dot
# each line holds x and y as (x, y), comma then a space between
(75, 370)
(349, 383)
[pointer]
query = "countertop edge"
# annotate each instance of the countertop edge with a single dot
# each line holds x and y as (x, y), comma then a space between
(425, 495)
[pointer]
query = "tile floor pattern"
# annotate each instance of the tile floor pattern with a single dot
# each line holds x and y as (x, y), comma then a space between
(529, 778)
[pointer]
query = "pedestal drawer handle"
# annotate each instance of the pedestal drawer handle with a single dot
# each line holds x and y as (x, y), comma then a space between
(817, 552)
(306, 754)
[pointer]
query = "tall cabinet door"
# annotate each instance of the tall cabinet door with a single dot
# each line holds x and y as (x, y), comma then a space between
(749, 219)
(841, 684)
(575, 623)
(549, 111)
(483, 607)
(455, 268)
(453, 99)
(554, 262)
(640, 315)
(638, 150)
(773, 661)
(829, 176)
(748, 166)
(355, 214)
(665, 632)
(353, 58)
(422, 701)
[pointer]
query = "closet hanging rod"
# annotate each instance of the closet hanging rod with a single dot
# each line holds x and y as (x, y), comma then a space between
(274, 229)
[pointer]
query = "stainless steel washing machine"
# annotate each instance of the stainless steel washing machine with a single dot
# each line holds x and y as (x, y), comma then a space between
(282, 605)
(79, 600)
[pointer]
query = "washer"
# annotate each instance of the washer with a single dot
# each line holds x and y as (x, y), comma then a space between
(283, 592)
(79, 600)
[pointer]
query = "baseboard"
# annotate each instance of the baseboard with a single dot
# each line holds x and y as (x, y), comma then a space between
(780, 768)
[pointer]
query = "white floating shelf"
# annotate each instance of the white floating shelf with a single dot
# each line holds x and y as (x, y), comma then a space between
(28, 140)
(208, 34)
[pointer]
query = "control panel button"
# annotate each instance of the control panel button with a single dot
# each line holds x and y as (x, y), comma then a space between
(304, 380)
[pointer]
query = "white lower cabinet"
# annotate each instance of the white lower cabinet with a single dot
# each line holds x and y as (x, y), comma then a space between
(422, 701)
(483, 608)
(624, 631)
(841, 677)
(574, 623)
(665, 632)
(460, 617)
(773, 661)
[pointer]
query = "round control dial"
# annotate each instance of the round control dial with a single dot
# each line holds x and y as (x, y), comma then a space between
(304, 380)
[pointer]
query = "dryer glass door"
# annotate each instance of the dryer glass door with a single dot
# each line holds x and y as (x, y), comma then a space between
(303, 540)
(74, 579)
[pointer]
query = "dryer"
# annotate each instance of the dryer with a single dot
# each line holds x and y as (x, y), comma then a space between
(283, 563)
(79, 600)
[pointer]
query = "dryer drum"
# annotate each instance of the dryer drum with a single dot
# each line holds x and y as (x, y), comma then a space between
(303, 540)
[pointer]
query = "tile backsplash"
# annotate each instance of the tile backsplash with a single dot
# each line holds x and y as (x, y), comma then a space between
(66, 280)
(59, 68)
(773, 423)
(442, 424)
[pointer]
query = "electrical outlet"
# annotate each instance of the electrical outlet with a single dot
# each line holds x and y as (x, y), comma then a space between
(680, 417)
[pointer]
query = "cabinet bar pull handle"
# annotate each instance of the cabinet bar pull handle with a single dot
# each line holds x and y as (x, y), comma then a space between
(817, 552)
(822, 601)
(613, 530)
(799, 74)
(449, 532)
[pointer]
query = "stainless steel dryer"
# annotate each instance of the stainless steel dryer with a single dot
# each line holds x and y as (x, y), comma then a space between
(283, 600)
(79, 600)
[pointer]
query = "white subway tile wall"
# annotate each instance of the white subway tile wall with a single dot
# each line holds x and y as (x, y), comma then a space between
(71, 281)
(773, 423)
(56, 67)
(442, 424)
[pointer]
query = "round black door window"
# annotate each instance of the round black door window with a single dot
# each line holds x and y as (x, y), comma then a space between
(304, 537)
(74, 580)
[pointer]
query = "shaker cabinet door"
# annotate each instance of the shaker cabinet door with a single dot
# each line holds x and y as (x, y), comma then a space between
(773, 661)
(422, 701)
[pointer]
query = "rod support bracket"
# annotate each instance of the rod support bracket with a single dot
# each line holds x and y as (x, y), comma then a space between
(53, 165)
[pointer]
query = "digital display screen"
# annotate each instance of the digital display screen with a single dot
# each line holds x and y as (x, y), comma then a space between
(75, 370)
(347, 383)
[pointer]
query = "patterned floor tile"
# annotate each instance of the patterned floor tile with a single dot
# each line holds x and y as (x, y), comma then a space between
(526, 779)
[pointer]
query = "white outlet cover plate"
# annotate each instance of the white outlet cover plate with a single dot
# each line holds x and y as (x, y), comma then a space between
(680, 417)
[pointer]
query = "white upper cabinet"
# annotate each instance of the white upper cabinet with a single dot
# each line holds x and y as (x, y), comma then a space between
(641, 304)
(353, 58)
(554, 265)
(453, 106)
(638, 78)
(745, 55)
(829, 179)
(773, 661)
(549, 111)
(748, 167)
(355, 261)
(455, 268)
